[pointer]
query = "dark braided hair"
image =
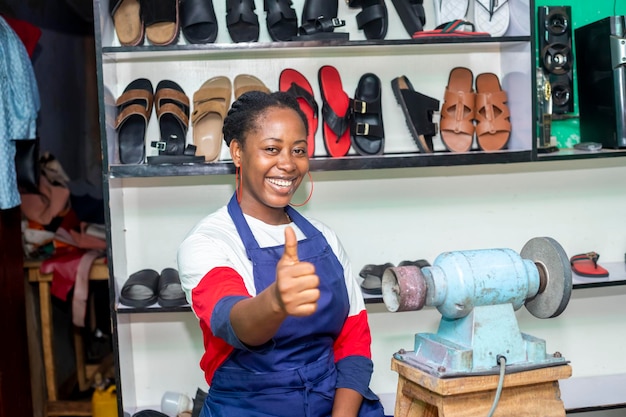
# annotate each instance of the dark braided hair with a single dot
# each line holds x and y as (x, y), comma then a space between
(245, 111)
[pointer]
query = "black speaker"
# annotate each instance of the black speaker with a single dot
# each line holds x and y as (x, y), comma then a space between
(555, 54)
(601, 74)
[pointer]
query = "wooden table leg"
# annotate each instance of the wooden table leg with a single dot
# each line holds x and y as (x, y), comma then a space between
(45, 312)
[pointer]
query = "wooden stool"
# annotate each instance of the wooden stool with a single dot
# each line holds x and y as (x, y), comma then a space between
(528, 393)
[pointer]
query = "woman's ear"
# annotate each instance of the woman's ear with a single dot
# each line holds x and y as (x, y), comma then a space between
(235, 152)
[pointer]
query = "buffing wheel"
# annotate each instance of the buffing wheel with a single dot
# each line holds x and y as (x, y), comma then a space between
(555, 274)
(404, 288)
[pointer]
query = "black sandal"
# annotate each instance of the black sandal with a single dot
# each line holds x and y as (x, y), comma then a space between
(241, 21)
(322, 28)
(198, 21)
(366, 129)
(411, 14)
(372, 19)
(315, 9)
(281, 19)
(418, 111)
(172, 110)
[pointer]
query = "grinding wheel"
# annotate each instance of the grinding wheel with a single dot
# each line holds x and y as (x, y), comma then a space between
(556, 276)
(403, 288)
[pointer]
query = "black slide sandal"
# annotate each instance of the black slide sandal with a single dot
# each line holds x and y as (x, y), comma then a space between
(366, 129)
(141, 289)
(198, 21)
(281, 19)
(372, 19)
(171, 293)
(241, 21)
(411, 14)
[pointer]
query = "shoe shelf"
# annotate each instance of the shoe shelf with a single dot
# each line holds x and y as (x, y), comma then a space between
(570, 153)
(425, 64)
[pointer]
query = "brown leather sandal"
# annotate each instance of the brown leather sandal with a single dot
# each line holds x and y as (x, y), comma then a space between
(493, 127)
(246, 82)
(210, 104)
(128, 21)
(457, 112)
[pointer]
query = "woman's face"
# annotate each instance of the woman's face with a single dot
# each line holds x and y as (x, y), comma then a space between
(273, 162)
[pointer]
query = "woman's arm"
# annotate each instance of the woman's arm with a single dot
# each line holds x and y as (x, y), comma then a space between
(347, 403)
(295, 292)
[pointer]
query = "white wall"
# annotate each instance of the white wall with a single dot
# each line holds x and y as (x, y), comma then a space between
(393, 215)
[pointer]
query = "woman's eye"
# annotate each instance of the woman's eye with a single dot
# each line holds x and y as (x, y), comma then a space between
(300, 151)
(271, 149)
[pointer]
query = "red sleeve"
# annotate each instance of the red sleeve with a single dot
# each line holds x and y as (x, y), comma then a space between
(355, 338)
(216, 284)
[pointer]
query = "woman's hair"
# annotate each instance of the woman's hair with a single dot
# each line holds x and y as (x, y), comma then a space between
(244, 113)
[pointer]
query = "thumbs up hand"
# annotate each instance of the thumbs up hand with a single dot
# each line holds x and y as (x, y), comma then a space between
(296, 284)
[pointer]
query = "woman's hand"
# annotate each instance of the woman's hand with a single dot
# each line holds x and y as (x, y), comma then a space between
(296, 284)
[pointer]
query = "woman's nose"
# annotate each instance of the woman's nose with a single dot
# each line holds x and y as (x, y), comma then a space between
(286, 160)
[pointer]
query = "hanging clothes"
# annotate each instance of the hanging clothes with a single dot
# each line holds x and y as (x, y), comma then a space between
(19, 106)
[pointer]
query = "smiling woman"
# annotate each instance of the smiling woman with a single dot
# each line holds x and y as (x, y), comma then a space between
(284, 323)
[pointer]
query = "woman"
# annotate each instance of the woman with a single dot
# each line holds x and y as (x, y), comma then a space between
(284, 324)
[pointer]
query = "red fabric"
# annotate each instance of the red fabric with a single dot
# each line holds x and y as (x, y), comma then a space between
(28, 33)
(355, 338)
(216, 284)
(63, 268)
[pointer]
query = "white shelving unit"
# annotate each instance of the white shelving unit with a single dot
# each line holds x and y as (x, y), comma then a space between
(150, 208)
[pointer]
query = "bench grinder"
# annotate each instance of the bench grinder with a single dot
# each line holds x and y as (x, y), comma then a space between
(477, 293)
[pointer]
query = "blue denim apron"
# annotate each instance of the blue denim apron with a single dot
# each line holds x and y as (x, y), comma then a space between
(297, 377)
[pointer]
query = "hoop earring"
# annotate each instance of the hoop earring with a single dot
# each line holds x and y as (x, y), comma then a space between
(238, 184)
(310, 193)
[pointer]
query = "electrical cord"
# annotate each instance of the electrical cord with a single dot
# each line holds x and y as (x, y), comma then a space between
(502, 362)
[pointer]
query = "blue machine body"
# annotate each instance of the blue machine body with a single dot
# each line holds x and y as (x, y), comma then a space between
(477, 293)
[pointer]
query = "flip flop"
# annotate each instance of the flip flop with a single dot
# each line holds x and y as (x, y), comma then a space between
(418, 112)
(366, 130)
(128, 21)
(493, 124)
(246, 82)
(161, 19)
(586, 265)
(281, 19)
(457, 111)
(141, 289)
(335, 112)
(134, 109)
(241, 21)
(198, 21)
(492, 17)
(449, 10)
(171, 293)
(210, 105)
(294, 83)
